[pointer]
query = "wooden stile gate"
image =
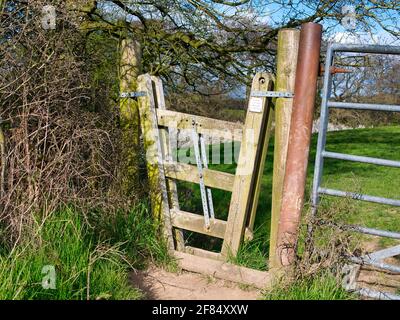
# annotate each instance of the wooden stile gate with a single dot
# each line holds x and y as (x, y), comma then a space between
(158, 126)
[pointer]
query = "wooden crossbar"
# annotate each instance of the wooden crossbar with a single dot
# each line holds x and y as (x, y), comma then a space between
(224, 270)
(195, 222)
(212, 178)
(211, 127)
(203, 253)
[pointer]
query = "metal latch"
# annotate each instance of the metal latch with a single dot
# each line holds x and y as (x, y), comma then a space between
(133, 94)
(272, 94)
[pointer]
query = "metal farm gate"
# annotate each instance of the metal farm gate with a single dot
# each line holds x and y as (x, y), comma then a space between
(375, 259)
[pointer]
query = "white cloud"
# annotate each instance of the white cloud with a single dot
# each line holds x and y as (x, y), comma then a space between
(382, 38)
(355, 38)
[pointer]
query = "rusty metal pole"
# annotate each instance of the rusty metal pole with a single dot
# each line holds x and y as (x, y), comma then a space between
(299, 141)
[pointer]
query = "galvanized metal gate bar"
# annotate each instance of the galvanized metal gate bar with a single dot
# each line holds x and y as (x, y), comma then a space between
(358, 196)
(377, 294)
(363, 230)
(195, 138)
(364, 48)
(375, 263)
(205, 164)
(374, 259)
(363, 106)
(373, 232)
(384, 253)
(370, 160)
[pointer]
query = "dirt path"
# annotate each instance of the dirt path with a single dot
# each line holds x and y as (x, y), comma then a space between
(158, 284)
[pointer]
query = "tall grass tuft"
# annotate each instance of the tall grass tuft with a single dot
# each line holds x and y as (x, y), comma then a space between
(253, 253)
(84, 267)
(136, 232)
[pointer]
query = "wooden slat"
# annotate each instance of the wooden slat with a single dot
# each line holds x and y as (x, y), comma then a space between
(223, 270)
(189, 173)
(203, 253)
(207, 126)
(256, 188)
(195, 222)
(246, 172)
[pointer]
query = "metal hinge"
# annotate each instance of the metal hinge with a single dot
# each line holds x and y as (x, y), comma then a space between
(132, 94)
(272, 94)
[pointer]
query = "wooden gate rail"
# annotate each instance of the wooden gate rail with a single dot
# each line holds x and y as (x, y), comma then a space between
(212, 178)
(195, 222)
(209, 126)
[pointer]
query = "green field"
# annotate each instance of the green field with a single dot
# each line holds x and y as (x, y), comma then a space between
(381, 142)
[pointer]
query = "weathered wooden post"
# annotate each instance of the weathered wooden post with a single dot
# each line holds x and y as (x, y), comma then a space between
(130, 68)
(255, 127)
(288, 47)
(153, 148)
(299, 142)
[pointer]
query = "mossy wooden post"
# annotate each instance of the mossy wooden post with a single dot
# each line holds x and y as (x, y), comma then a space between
(130, 68)
(154, 161)
(257, 117)
(166, 134)
(288, 46)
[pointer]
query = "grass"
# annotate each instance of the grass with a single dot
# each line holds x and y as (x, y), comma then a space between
(136, 233)
(321, 287)
(90, 261)
(382, 142)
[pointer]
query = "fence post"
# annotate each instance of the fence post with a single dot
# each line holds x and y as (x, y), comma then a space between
(154, 162)
(288, 47)
(299, 142)
(130, 68)
(166, 135)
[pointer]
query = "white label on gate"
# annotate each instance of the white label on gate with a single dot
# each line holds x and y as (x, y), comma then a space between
(256, 104)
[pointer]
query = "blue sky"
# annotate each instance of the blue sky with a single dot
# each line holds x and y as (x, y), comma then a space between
(274, 14)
